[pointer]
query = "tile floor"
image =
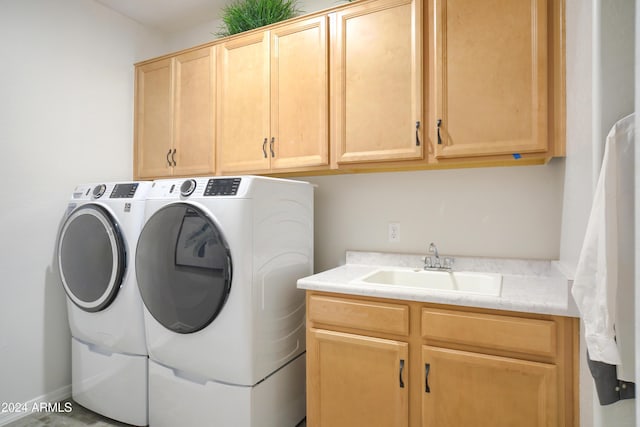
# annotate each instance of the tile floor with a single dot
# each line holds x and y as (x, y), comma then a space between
(78, 417)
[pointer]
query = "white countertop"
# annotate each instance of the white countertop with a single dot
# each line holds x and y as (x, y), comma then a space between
(531, 286)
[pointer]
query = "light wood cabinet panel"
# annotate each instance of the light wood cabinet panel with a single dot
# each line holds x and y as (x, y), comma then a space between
(377, 81)
(194, 128)
(366, 315)
(154, 125)
(491, 72)
(272, 100)
(471, 389)
(243, 104)
(356, 380)
(174, 123)
(530, 336)
(300, 94)
(462, 366)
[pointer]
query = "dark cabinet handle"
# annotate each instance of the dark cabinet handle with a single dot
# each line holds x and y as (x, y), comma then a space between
(168, 154)
(173, 157)
(417, 136)
(427, 368)
(273, 139)
(439, 138)
(264, 148)
(401, 370)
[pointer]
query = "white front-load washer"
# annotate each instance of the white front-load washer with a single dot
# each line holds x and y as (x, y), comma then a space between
(95, 256)
(217, 264)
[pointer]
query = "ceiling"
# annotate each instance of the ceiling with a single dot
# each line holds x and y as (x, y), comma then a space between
(168, 15)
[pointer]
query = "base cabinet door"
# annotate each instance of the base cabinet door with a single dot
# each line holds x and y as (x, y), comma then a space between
(355, 380)
(470, 389)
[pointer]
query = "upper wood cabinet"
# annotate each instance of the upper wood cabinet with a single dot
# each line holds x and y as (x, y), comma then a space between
(153, 105)
(273, 99)
(491, 65)
(376, 67)
(243, 104)
(369, 85)
(175, 101)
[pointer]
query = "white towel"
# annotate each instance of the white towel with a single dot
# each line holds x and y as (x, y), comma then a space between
(604, 283)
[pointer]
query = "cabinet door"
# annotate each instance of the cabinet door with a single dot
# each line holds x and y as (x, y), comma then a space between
(471, 389)
(299, 94)
(154, 89)
(194, 111)
(377, 81)
(491, 77)
(355, 380)
(243, 104)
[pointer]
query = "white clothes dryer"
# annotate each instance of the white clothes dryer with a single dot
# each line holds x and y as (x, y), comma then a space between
(95, 257)
(217, 264)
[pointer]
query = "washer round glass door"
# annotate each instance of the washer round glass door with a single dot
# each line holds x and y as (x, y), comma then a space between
(91, 257)
(183, 265)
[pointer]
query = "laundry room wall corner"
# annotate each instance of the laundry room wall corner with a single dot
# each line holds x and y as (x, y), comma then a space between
(66, 115)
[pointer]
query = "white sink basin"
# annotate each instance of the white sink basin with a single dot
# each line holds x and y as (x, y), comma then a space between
(458, 281)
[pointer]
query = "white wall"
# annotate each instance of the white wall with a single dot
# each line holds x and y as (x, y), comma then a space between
(208, 31)
(600, 76)
(579, 166)
(66, 117)
(511, 212)
(637, 204)
(614, 99)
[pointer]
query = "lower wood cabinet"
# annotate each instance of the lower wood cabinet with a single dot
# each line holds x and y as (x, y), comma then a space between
(473, 389)
(379, 362)
(360, 380)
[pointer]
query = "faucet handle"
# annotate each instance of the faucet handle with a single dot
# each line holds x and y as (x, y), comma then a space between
(448, 263)
(428, 263)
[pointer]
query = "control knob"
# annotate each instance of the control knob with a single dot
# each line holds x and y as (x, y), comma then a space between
(99, 190)
(188, 187)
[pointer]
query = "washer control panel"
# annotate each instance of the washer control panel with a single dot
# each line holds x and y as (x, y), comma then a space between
(124, 191)
(222, 187)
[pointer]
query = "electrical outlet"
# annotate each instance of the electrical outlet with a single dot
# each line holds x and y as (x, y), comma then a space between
(394, 232)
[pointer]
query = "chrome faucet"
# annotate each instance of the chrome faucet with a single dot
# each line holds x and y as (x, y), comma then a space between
(433, 263)
(433, 249)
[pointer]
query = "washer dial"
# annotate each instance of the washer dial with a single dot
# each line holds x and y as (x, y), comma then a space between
(188, 187)
(99, 190)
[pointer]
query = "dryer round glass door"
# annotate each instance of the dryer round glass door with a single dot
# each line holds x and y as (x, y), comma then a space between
(91, 257)
(183, 266)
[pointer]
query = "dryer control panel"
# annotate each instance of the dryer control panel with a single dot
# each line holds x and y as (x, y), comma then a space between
(112, 190)
(222, 187)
